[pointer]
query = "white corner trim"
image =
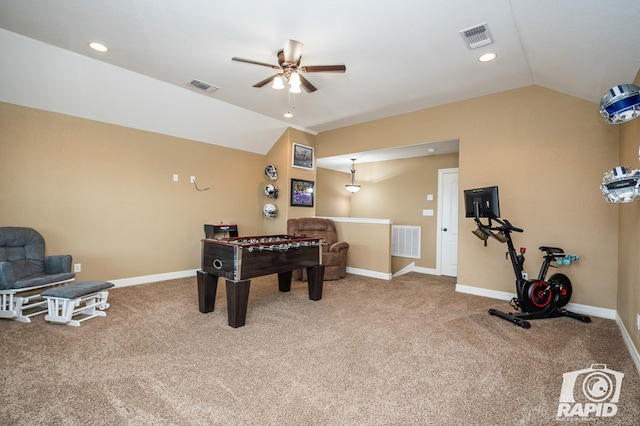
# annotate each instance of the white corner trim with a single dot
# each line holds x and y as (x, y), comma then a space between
(409, 268)
(413, 268)
(635, 356)
(368, 273)
(125, 282)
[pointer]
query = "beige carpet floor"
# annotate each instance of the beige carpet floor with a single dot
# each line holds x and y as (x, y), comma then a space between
(410, 351)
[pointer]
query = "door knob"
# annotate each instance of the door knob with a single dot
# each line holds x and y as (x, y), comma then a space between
(444, 229)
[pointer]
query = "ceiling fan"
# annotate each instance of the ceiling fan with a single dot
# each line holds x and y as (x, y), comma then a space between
(289, 68)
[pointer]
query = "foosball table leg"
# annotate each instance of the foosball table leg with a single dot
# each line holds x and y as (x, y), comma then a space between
(315, 275)
(284, 281)
(207, 287)
(237, 301)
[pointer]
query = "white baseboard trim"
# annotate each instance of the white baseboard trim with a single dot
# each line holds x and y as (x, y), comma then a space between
(413, 268)
(428, 271)
(368, 273)
(477, 291)
(635, 356)
(409, 268)
(125, 282)
(503, 295)
(593, 310)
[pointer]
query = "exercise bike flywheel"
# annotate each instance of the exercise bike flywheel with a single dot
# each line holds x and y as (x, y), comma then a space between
(563, 284)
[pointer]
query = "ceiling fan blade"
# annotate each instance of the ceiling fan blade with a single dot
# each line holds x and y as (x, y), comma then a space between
(323, 68)
(292, 51)
(265, 81)
(307, 85)
(249, 61)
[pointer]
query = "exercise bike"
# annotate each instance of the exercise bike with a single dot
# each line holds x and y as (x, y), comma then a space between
(537, 298)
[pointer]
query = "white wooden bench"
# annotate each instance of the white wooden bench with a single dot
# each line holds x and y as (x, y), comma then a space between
(88, 298)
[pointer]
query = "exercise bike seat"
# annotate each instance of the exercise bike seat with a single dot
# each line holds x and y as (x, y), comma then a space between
(552, 250)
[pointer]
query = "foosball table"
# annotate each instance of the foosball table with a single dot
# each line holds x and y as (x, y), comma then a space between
(241, 258)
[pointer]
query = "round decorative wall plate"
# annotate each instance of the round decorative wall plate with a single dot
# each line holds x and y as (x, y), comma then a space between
(270, 172)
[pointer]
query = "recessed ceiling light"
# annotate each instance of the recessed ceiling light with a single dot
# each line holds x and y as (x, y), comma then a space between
(99, 47)
(487, 57)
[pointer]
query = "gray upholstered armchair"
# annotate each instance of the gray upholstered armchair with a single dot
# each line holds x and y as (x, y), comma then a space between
(334, 252)
(25, 270)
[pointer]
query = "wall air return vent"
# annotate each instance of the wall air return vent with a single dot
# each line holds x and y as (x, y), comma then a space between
(209, 88)
(477, 36)
(405, 241)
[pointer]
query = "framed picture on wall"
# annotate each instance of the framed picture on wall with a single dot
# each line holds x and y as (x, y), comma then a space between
(302, 193)
(302, 156)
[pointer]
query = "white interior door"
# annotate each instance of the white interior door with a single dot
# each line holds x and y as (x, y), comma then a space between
(448, 221)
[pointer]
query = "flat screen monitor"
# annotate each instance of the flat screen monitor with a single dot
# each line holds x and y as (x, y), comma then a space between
(482, 201)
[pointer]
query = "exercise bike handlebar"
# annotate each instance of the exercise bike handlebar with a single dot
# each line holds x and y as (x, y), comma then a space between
(510, 227)
(505, 225)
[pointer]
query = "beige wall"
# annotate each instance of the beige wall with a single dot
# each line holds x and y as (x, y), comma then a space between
(629, 235)
(105, 193)
(281, 156)
(369, 245)
(332, 199)
(547, 152)
(277, 156)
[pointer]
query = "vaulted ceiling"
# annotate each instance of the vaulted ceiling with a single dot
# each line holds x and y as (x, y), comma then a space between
(400, 55)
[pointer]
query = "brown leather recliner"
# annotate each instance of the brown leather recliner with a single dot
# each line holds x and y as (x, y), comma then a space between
(334, 253)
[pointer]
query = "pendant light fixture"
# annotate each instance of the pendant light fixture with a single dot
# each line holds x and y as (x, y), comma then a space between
(353, 187)
(621, 103)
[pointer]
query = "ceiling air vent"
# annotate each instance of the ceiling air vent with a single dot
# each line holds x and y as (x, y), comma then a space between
(210, 88)
(477, 36)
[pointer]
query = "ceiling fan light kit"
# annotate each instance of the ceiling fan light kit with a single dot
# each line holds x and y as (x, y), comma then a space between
(289, 69)
(278, 84)
(294, 79)
(294, 82)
